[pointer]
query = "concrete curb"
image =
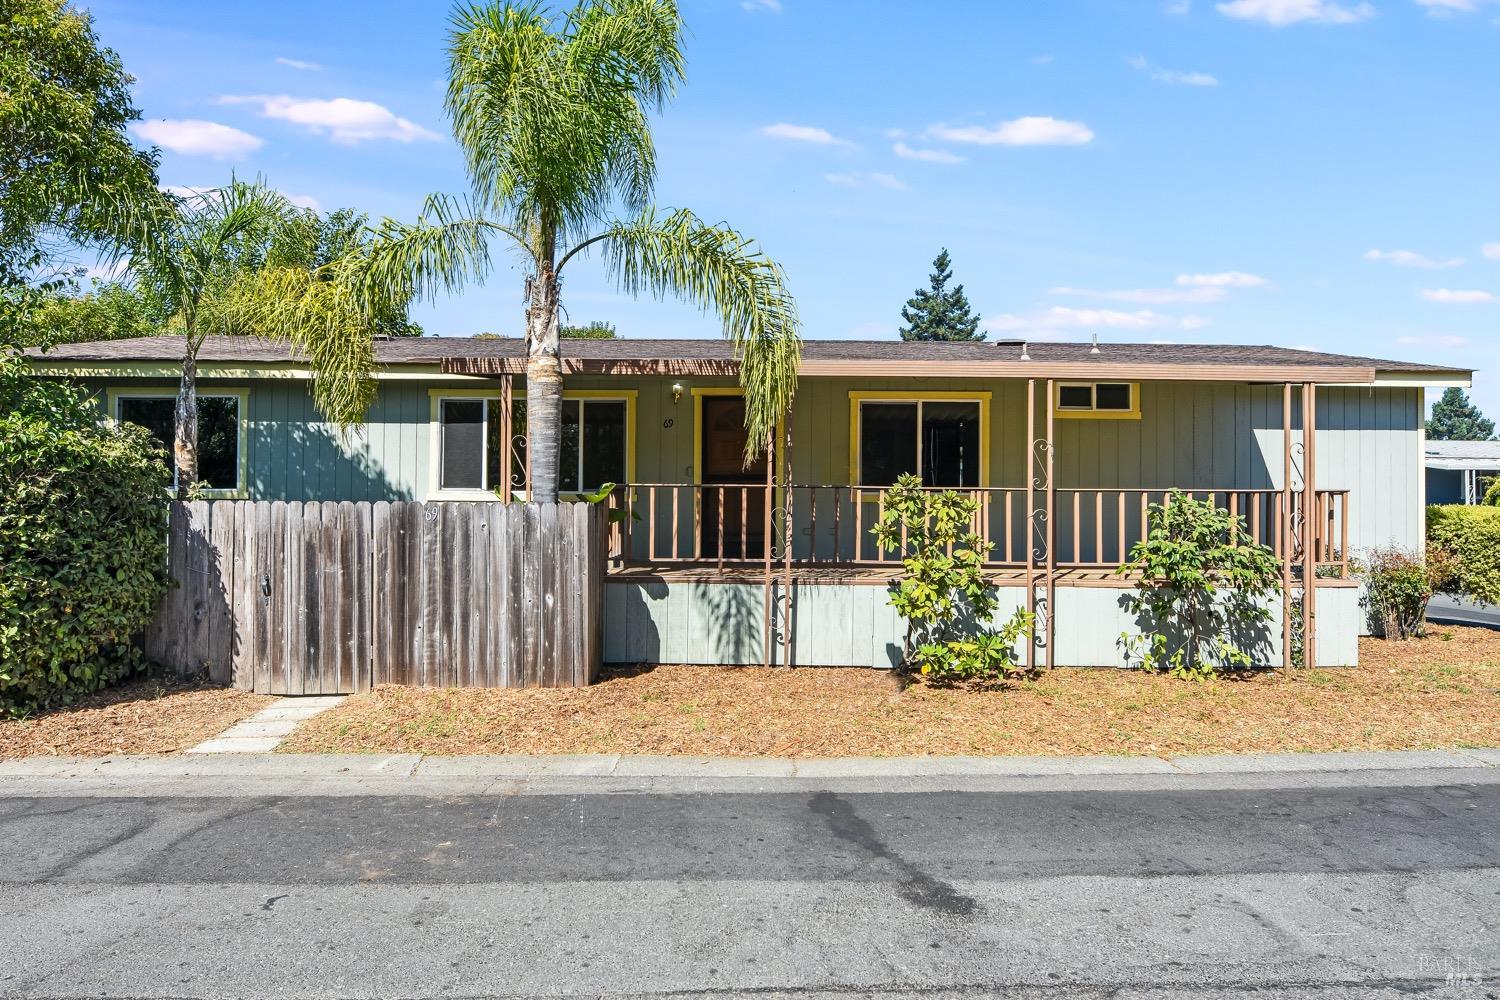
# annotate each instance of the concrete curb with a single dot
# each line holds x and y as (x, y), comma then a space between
(344, 767)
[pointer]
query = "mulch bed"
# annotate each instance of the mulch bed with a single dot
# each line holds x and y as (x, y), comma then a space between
(1441, 691)
(149, 715)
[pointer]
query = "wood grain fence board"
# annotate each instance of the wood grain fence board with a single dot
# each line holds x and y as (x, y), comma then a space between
(308, 598)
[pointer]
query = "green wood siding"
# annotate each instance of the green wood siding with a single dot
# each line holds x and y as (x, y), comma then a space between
(1203, 435)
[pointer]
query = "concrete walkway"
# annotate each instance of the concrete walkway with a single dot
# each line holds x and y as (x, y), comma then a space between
(264, 731)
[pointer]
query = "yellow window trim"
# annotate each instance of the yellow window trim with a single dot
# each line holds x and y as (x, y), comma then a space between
(435, 396)
(1134, 413)
(698, 395)
(858, 396)
(112, 397)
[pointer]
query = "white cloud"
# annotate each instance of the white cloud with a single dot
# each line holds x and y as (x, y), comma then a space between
(1410, 258)
(1280, 13)
(346, 121)
(1491, 251)
(187, 191)
(1028, 131)
(1178, 7)
(304, 201)
(1147, 296)
(1447, 341)
(1042, 60)
(1062, 318)
(906, 152)
(193, 137)
(1446, 8)
(774, 6)
(873, 180)
(1143, 65)
(1224, 279)
(302, 64)
(1456, 296)
(804, 133)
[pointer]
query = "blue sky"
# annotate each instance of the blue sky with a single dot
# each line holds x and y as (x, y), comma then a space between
(1315, 173)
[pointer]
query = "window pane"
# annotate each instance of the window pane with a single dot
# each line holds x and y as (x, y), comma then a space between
(463, 444)
(1112, 396)
(603, 443)
(1075, 397)
(950, 444)
(156, 415)
(219, 441)
(887, 442)
(567, 462)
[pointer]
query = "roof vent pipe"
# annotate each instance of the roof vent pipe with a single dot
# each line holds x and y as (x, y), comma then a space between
(1095, 348)
(1025, 351)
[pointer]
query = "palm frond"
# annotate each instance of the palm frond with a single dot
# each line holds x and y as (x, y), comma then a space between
(727, 273)
(445, 249)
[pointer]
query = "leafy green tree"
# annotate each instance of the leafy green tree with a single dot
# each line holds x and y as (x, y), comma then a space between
(551, 114)
(1456, 418)
(935, 312)
(109, 311)
(597, 330)
(242, 260)
(69, 176)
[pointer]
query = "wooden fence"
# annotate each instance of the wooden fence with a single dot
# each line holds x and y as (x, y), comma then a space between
(330, 598)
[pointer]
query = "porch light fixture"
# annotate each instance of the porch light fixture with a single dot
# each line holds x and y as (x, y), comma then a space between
(676, 392)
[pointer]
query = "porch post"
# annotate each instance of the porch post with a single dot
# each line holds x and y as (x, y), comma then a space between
(1031, 517)
(769, 581)
(788, 607)
(1310, 527)
(1051, 527)
(1284, 526)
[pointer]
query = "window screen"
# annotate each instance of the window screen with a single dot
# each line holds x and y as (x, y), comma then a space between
(1112, 396)
(462, 444)
(887, 442)
(218, 433)
(1075, 397)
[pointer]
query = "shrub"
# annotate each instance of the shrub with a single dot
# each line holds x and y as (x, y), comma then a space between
(946, 601)
(1471, 537)
(82, 540)
(1202, 590)
(1398, 585)
(1492, 493)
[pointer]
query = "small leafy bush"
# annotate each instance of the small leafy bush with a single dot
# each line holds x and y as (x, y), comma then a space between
(1203, 585)
(1398, 585)
(1492, 493)
(1471, 537)
(82, 542)
(944, 597)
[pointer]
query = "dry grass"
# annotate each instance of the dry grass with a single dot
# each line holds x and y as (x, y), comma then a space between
(1437, 692)
(141, 716)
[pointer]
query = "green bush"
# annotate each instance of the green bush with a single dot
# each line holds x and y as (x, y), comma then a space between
(944, 596)
(1471, 536)
(1398, 585)
(1492, 493)
(82, 542)
(1202, 590)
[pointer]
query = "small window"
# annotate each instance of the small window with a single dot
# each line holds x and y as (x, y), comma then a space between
(937, 439)
(471, 455)
(218, 433)
(1096, 397)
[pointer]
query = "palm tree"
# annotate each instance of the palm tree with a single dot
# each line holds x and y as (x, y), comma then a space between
(551, 116)
(241, 259)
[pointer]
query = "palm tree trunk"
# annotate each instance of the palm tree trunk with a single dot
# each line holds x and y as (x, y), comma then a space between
(185, 427)
(543, 388)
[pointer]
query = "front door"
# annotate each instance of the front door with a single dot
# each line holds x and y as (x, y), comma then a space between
(734, 496)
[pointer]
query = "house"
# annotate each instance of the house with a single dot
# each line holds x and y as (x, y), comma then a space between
(1461, 471)
(1065, 445)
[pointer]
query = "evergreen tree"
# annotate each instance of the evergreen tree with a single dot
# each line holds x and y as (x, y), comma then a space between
(935, 313)
(1455, 418)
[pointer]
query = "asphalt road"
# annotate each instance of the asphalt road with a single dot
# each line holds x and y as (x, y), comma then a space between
(1357, 888)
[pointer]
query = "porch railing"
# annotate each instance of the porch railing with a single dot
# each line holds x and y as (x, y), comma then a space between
(673, 524)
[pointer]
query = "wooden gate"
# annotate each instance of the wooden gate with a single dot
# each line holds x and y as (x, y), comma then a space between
(330, 598)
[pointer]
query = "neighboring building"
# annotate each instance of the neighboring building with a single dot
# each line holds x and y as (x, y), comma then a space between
(694, 560)
(1461, 471)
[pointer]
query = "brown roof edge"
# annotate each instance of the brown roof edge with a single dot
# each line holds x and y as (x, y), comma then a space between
(1093, 371)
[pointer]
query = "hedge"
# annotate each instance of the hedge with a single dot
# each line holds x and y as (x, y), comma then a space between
(82, 542)
(1472, 536)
